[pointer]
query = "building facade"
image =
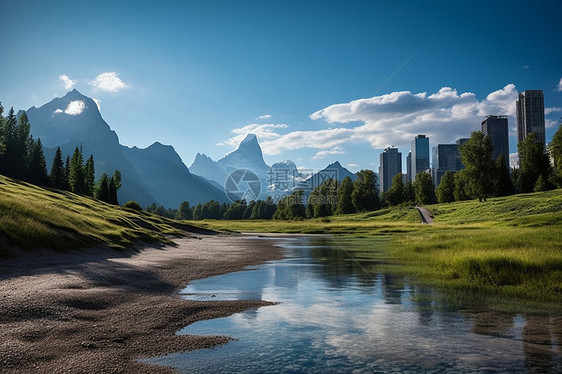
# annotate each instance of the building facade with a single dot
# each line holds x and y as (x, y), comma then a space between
(420, 155)
(409, 167)
(390, 165)
(530, 115)
(496, 128)
(446, 157)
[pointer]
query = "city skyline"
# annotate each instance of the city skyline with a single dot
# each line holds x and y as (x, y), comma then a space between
(316, 82)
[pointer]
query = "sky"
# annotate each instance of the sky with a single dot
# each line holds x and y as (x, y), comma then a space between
(316, 81)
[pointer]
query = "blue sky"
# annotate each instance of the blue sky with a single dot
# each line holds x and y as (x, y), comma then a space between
(317, 81)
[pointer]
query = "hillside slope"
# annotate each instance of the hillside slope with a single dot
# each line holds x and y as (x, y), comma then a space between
(37, 218)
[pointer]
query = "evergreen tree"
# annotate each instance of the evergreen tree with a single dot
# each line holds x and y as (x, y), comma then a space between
(423, 187)
(90, 177)
(2, 134)
(291, 207)
(446, 188)
(502, 181)
(24, 148)
(541, 184)
(102, 189)
(76, 176)
(345, 205)
(112, 192)
(184, 211)
(37, 171)
(476, 155)
(197, 212)
(58, 173)
(67, 172)
(365, 196)
(117, 179)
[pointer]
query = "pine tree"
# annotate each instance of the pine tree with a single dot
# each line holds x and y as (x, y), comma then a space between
(9, 143)
(24, 148)
(89, 177)
(534, 162)
(2, 134)
(76, 175)
(112, 188)
(37, 170)
(540, 185)
(446, 189)
(102, 189)
(58, 172)
(556, 154)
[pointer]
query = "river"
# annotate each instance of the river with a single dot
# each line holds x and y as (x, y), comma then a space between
(335, 314)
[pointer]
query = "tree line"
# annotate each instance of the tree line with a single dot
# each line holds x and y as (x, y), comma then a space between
(22, 157)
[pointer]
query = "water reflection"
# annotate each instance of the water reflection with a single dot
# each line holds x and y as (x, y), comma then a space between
(333, 316)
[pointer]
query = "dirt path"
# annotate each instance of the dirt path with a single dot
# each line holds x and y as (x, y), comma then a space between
(425, 215)
(99, 310)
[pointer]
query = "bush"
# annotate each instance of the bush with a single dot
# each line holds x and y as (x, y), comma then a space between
(132, 205)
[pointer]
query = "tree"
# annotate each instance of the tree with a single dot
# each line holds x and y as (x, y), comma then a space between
(112, 192)
(345, 205)
(446, 189)
(365, 196)
(423, 187)
(409, 193)
(461, 191)
(184, 211)
(533, 163)
(102, 189)
(197, 212)
(22, 148)
(58, 175)
(37, 170)
(476, 155)
(556, 154)
(76, 175)
(395, 194)
(541, 184)
(503, 185)
(9, 138)
(2, 133)
(291, 207)
(89, 177)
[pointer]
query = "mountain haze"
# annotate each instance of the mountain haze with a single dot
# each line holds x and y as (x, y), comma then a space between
(152, 175)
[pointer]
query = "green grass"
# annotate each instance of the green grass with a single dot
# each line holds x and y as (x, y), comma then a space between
(35, 218)
(505, 253)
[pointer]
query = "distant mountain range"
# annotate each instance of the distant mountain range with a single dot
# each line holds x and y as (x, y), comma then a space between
(156, 174)
(152, 175)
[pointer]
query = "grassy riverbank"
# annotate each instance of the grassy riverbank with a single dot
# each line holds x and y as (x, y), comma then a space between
(37, 218)
(508, 247)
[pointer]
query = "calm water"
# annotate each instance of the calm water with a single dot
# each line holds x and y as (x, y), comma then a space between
(335, 316)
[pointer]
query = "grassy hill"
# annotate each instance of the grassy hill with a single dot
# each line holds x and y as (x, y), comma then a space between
(37, 218)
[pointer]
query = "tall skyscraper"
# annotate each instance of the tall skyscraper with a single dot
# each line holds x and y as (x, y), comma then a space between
(420, 155)
(496, 128)
(446, 157)
(530, 115)
(391, 164)
(409, 167)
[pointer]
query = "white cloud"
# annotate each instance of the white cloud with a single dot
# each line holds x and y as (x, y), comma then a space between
(334, 151)
(74, 108)
(264, 132)
(68, 83)
(352, 165)
(559, 87)
(547, 111)
(391, 119)
(265, 116)
(513, 159)
(109, 82)
(98, 102)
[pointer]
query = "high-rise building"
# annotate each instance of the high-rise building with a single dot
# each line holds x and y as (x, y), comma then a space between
(409, 167)
(496, 128)
(391, 164)
(530, 115)
(420, 155)
(446, 157)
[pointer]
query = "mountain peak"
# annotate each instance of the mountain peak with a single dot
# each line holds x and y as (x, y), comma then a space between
(335, 165)
(250, 138)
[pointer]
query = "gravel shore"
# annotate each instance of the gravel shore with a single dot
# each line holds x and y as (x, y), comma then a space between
(97, 311)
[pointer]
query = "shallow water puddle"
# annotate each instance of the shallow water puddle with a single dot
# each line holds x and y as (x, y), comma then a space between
(334, 317)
